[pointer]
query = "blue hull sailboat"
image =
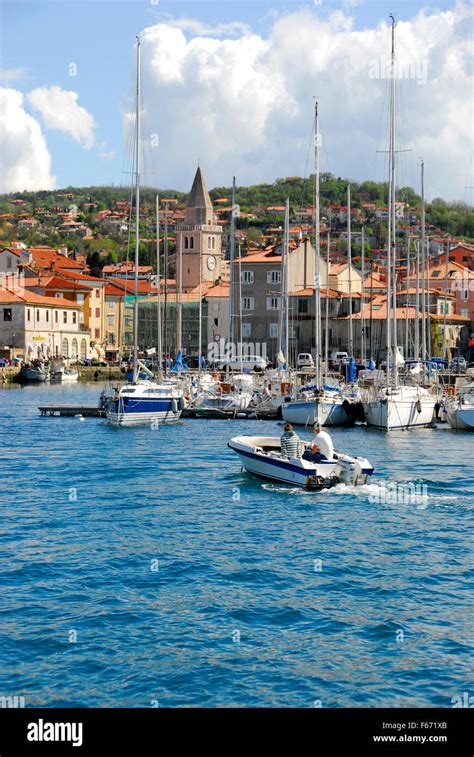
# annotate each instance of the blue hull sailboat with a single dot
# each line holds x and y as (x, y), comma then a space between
(142, 400)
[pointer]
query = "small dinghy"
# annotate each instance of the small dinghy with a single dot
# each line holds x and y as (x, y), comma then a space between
(262, 456)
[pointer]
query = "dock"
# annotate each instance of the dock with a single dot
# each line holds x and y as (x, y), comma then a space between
(70, 411)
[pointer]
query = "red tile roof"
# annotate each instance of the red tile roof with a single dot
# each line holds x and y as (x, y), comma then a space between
(6, 295)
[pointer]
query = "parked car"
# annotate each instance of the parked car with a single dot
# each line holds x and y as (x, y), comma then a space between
(336, 358)
(249, 363)
(459, 364)
(304, 360)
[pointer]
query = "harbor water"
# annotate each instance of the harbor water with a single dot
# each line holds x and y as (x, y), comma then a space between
(140, 567)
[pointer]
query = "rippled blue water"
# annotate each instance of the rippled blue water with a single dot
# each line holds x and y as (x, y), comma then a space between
(383, 620)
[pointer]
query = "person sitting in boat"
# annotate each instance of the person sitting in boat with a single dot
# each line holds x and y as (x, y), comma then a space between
(322, 447)
(290, 442)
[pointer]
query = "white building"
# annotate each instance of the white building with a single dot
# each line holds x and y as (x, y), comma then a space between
(33, 326)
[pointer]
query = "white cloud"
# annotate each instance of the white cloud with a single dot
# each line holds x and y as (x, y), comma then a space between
(60, 110)
(244, 105)
(25, 161)
(9, 75)
(231, 29)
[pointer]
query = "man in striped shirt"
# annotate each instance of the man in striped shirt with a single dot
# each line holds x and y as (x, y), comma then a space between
(290, 442)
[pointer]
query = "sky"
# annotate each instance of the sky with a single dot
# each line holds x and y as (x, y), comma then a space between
(231, 86)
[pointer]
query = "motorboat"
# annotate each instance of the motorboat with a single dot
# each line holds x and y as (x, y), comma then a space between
(144, 402)
(35, 371)
(262, 456)
(60, 372)
(460, 409)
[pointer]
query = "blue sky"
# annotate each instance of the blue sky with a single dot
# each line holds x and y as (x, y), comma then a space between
(44, 38)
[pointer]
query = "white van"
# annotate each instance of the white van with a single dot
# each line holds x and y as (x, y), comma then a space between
(249, 362)
(304, 360)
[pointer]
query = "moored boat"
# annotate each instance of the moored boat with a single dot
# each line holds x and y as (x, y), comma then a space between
(460, 409)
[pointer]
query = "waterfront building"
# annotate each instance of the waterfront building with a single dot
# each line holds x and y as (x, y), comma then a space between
(33, 326)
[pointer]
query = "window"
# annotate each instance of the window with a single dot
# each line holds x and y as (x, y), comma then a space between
(97, 312)
(246, 329)
(110, 338)
(302, 306)
(465, 294)
(465, 312)
(273, 277)
(273, 330)
(7, 314)
(213, 243)
(248, 303)
(80, 299)
(38, 315)
(186, 243)
(74, 317)
(273, 303)
(47, 316)
(64, 316)
(56, 316)
(28, 315)
(97, 293)
(209, 243)
(97, 333)
(9, 262)
(111, 320)
(247, 277)
(191, 243)
(216, 321)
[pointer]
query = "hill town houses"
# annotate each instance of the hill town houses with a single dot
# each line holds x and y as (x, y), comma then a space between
(51, 304)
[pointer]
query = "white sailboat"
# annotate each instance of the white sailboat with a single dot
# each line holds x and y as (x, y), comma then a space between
(142, 401)
(324, 406)
(395, 406)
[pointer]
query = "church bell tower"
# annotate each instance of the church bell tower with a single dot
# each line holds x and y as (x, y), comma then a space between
(199, 238)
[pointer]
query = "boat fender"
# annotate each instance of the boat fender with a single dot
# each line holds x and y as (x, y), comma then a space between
(418, 406)
(182, 403)
(174, 406)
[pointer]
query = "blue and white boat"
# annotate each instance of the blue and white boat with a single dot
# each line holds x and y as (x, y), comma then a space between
(141, 400)
(262, 456)
(144, 402)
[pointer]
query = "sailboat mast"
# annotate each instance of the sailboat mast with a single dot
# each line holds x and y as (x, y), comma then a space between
(349, 268)
(326, 334)
(362, 322)
(137, 216)
(286, 253)
(179, 308)
(317, 287)
(407, 330)
(417, 299)
(391, 161)
(423, 265)
(232, 257)
(158, 284)
(200, 311)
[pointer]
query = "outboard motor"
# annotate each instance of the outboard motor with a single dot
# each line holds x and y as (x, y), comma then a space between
(350, 473)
